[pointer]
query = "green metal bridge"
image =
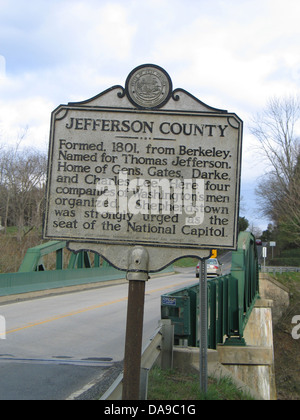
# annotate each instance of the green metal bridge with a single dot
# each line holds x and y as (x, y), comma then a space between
(230, 298)
(70, 270)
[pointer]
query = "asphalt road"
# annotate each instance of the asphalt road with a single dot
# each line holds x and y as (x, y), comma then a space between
(55, 346)
(225, 260)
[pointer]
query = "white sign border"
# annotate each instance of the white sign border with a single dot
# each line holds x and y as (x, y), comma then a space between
(61, 112)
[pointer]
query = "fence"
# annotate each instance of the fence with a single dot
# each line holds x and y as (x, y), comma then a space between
(280, 270)
(231, 299)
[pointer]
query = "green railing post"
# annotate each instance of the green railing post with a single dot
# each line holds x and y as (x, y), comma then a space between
(59, 259)
(96, 260)
(237, 295)
(33, 257)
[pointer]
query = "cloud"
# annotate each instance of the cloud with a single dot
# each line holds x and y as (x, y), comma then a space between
(89, 31)
(232, 55)
(61, 52)
(26, 115)
(2, 67)
(61, 32)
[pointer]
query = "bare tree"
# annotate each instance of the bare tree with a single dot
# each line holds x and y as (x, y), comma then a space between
(27, 180)
(278, 192)
(275, 130)
(290, 218)
(22, 181)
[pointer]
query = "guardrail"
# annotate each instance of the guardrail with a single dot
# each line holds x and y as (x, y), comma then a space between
(280, 270)
(231, 299)
(159, 346)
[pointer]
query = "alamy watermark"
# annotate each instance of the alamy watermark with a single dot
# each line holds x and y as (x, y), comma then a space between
(296, 329)
(155, 196)
(2, 328)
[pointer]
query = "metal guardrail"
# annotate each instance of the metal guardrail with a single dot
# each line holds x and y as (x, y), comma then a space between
(231, 299)
(159, 346)
(280, 270)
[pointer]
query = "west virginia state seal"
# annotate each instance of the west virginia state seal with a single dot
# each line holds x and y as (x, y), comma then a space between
(148, 86)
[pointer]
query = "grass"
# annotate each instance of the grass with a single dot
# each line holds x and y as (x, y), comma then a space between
(292, 282)
(174, 385)
(186, 262)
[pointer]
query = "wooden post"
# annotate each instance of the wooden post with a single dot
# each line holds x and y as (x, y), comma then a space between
(137, 275)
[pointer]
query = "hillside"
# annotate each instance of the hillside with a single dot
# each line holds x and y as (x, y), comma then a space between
(286, 348)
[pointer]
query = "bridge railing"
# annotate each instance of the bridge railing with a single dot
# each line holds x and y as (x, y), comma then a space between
(70, 269)
(66, 269)
(33, 260)
(231, 299)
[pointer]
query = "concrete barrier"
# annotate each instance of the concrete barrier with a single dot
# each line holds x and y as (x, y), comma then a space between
(254, 363)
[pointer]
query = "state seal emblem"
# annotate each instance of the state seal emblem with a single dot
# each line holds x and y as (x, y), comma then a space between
(148, 86)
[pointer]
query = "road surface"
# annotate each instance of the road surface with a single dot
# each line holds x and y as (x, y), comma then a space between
(225, 260)
(56, 345)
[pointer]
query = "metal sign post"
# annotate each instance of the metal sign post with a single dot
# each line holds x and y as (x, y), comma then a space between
(264, 254)
(203, 324)
(137, 275)
(272, 245)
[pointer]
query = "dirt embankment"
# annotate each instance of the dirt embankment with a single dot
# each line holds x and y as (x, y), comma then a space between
(287, 348)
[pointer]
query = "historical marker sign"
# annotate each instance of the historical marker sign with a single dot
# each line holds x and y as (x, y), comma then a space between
(144, 166)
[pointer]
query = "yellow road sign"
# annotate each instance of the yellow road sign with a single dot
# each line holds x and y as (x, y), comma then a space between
(214, 253)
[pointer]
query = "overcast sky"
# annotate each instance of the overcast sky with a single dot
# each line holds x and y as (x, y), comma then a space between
(231, 54)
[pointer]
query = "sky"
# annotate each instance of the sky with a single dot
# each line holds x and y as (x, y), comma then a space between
(230, 54)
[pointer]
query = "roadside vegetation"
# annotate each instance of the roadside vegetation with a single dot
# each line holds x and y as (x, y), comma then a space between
(186, 262)
(22, 189)
(13, 248)
(286, 348)
(22, 200)
(173, 385)
(286, 258)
